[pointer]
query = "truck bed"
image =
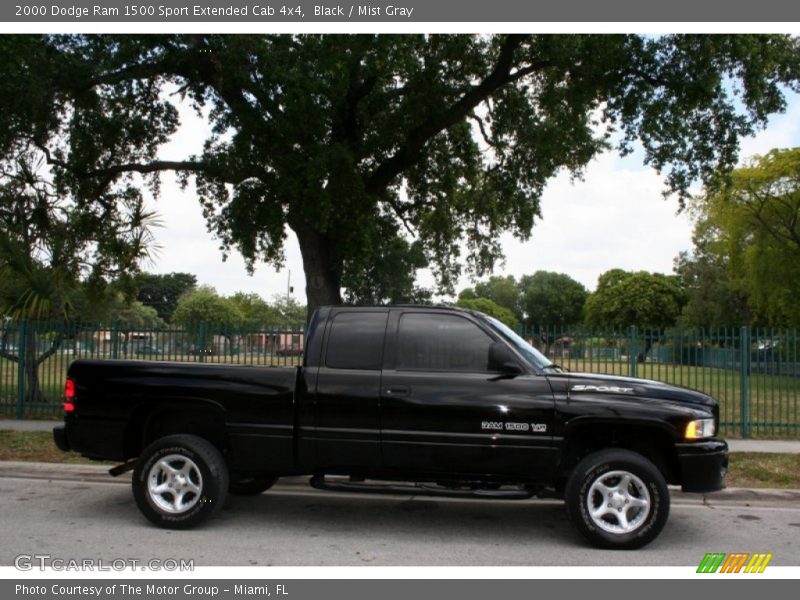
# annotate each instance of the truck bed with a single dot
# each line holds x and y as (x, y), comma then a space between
(123, 401)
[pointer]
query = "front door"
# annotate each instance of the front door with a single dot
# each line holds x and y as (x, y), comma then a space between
(444, 412)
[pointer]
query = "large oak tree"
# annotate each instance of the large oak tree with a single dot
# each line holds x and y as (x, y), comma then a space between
(358, 142)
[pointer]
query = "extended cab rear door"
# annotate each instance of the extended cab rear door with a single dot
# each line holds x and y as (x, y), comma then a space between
(442, 410)
(345, 392)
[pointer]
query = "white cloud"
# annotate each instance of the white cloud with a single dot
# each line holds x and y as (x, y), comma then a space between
(783, 131)
(614, 217)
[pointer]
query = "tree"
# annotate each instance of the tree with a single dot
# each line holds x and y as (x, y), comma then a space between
(345, 138)
(388, 271)
(500, 290)
(129, 315)
(750, 229)
(712, 299)
(162, 292)
(292, 313)
(256, 313)
(554, 299)
(623, 298)
(58, 251)
(204, 305)
(491, 308)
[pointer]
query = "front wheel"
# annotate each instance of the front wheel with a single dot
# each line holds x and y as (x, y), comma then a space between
(180, 481)
(617, 499)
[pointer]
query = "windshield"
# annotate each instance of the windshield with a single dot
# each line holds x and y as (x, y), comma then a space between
(531, 354)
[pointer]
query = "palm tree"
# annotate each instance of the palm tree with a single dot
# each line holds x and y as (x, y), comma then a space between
(54, 249)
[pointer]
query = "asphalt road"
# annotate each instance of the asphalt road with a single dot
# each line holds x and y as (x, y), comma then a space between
(296, 525)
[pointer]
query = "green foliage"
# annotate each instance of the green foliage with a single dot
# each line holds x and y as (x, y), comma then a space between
(291, 312)
(623, 298)
(750, 231)
(491, 308)
(349, 139)
(542, 298)
(256, 313)
(552, 299)
(56, 248)
(138, 316)
(712, 299)
(204, 305)
(501, 290)
(384, 272)
(162, 292)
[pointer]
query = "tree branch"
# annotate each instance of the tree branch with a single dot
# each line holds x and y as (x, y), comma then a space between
(151, 167)
(9, 357)
(53, 349)
(409, 152)
(482, 128)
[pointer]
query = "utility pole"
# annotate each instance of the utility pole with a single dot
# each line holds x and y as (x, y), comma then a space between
(289, 291)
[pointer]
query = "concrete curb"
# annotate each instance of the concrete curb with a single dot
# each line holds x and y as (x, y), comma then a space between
(99, 474)
(25, 425)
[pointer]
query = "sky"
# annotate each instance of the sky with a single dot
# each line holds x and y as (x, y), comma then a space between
(614, 217)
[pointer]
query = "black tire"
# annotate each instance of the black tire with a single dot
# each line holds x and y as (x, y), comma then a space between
(187, 464)
(250, 484)
(634, 513)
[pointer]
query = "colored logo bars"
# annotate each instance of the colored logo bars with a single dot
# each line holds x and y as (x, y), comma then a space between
(744, 562)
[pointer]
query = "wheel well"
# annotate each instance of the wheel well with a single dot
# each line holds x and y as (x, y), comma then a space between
(150, 425)
(651, 442)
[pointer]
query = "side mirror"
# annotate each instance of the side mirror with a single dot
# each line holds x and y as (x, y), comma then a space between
(502, 360)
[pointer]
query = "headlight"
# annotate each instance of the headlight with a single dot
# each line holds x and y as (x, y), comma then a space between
(699, 429)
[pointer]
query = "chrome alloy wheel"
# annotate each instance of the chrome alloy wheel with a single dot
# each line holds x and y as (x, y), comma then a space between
(618, 502)
(174, 484)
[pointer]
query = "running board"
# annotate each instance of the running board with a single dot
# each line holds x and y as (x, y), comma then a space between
(418, 489)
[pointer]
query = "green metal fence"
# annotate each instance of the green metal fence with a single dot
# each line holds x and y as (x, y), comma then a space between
(34, 356)
(754, 373)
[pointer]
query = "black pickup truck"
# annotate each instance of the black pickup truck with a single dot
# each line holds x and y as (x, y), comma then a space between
(398, 399)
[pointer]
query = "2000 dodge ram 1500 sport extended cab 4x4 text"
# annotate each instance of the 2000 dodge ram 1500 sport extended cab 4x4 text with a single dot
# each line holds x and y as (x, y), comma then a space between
(396, 399)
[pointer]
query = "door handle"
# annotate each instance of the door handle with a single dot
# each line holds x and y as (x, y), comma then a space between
(398, 390)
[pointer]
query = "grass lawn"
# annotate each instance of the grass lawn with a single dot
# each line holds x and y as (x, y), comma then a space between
(747, 469)
(773, 400)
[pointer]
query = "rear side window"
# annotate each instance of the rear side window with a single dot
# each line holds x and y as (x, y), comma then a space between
(432, 342)
(355, 341)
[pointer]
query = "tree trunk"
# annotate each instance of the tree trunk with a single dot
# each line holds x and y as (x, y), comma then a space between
(323, 270)
(33, 392)
(648, 344)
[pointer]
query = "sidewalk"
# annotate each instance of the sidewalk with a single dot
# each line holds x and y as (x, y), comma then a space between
(15, 425)
(776, 446)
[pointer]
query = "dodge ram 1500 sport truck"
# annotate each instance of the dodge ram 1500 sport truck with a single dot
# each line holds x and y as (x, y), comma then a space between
(399, 399)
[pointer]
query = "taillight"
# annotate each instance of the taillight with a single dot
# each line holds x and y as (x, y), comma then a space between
(69, 396)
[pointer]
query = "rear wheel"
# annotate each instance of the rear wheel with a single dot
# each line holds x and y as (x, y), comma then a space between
(180, 481)
(617, 499)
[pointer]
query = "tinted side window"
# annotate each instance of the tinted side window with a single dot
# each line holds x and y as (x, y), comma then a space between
(356, 341)
(441, 343)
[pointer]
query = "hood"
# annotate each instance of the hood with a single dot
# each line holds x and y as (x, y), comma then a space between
(589, 383)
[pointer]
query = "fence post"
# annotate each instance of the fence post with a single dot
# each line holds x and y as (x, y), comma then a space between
(203, 339)
(633, 351)
(115, 340)
(744, 379)
(22, 351)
